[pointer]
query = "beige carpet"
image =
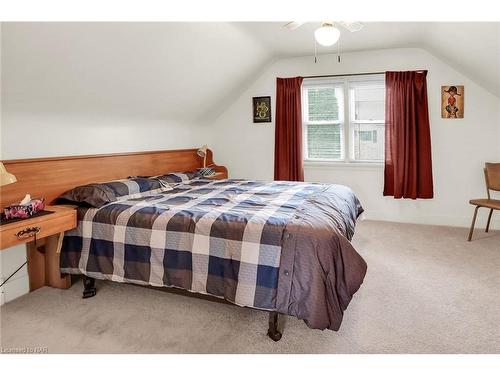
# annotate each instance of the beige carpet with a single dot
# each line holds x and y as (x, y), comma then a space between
(427, 291)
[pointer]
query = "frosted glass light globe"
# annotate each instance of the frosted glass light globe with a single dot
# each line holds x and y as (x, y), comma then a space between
(327, 35)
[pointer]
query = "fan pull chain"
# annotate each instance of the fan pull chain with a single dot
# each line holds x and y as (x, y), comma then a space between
(315, 54)
(338, 51)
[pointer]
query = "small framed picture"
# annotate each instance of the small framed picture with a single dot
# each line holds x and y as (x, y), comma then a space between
(452, 102)
(262, 109)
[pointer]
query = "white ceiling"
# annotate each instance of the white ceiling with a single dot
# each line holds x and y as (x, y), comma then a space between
(185, 71)
(300, 42)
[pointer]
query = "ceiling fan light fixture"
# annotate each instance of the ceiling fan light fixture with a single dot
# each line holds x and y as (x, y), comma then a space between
(327, 35)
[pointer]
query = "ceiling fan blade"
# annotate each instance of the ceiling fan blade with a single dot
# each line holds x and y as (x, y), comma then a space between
(293, 25)
(352, 26)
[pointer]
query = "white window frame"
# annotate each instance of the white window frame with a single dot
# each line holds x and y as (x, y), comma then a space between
(347, 130)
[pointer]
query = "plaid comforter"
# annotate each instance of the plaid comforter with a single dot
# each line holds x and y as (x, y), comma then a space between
(225, 238)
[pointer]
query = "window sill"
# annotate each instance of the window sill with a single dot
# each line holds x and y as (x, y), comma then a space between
(315, 164)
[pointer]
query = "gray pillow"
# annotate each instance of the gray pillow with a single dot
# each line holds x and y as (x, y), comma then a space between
(93, 195)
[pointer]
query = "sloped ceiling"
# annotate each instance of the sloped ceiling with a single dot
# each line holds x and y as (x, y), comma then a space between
(472, 48)
(175, 71)
(186, 71)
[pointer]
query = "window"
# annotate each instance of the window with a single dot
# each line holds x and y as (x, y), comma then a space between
(324, 116)
(343, 119)
(366, 108)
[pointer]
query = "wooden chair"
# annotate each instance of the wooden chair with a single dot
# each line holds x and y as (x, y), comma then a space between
(492, 178)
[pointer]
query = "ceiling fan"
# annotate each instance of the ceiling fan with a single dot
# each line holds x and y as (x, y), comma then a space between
(327, 34)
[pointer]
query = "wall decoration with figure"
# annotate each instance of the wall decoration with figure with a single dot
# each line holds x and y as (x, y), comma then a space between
(452, 101)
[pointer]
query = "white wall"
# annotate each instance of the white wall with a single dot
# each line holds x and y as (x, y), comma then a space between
(459, 147)
(11, 259)
(41, 135)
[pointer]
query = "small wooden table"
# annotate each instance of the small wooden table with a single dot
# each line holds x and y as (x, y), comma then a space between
(42, 254)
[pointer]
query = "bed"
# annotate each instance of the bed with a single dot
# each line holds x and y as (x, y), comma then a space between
(282, 247)
(277, 246)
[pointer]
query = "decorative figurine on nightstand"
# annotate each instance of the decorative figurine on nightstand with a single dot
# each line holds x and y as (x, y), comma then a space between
(205, 171)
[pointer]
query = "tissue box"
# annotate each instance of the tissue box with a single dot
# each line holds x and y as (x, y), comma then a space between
(24, 211)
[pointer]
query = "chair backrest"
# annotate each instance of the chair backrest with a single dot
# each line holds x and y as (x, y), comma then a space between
(492, 174)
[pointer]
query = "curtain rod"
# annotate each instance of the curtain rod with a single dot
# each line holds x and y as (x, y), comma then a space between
(352, 74)
(343, 75)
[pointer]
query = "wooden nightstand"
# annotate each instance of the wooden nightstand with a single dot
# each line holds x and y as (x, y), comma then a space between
(43, 256)
(217, 176)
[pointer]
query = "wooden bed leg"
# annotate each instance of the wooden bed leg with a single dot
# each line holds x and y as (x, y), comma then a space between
(89, 289)
(276, 325)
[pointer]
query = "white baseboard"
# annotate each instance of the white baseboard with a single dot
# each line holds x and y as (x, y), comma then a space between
(446, 220)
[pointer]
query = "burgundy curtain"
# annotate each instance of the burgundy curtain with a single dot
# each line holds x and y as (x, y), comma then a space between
(408, 163)
(288, 163)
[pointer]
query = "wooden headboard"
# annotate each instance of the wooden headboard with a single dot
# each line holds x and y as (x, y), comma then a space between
(50, 177)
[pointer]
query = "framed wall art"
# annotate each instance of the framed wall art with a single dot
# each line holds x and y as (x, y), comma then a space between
(261, 109)
(452, 102)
